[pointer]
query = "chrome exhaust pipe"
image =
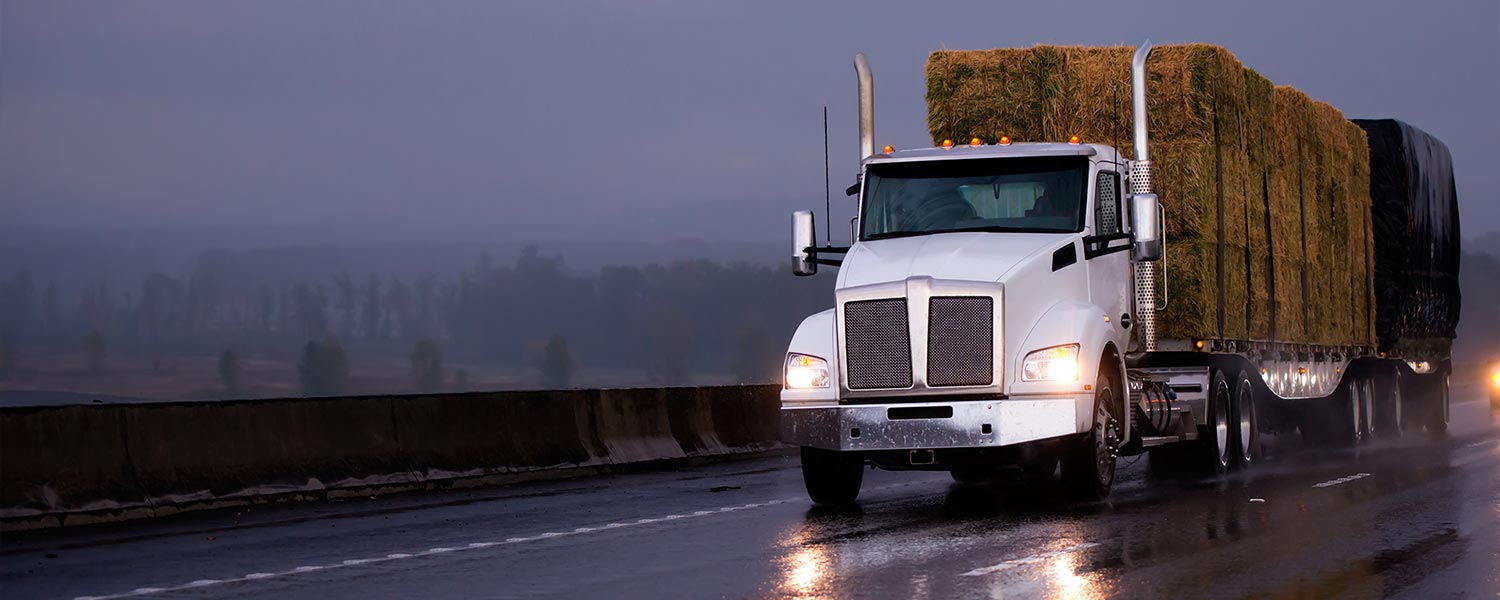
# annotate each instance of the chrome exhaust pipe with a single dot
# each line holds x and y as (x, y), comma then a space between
(1140, 185)
(1138, 99)
(866, 106)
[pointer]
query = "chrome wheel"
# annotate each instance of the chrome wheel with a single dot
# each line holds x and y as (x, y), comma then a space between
(1247, 432)
(1214, 439)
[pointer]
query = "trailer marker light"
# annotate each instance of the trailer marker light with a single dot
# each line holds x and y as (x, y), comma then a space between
(1004, 140)
(887, 149)
(947, 143)
(1074, 140)
(976, 142)
(1198, 344)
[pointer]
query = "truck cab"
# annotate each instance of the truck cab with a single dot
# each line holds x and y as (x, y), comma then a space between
(981, 313)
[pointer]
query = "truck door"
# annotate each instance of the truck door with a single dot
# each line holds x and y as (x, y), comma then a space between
(1107, 254)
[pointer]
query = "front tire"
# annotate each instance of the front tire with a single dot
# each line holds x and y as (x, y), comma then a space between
(831, 477)
(1088, 468)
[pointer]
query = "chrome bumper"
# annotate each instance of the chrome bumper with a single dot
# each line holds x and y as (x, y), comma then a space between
(972, 424)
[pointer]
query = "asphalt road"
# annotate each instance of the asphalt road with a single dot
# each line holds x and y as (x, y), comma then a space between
(1417, 517)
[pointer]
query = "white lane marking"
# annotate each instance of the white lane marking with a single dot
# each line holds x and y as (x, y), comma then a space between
(1341, 480)
(1033, 559)
(472, 546)
(1480, 443)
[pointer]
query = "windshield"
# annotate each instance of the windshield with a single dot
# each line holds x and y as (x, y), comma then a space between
(1036, 195)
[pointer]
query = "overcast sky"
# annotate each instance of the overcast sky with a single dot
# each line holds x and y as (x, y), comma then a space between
(614, 120)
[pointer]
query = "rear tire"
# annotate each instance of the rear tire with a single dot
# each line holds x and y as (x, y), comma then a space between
(1368, 409)
(831, 477)
(1088, 468)
(1214, 439)
(1436, 399)
(1392, 422)
(1348, 422)
(1246, 424)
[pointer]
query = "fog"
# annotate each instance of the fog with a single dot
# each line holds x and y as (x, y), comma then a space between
(251, 150)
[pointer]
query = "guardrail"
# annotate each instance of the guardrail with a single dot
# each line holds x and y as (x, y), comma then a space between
(66, 465)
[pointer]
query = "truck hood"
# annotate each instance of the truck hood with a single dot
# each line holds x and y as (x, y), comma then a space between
(978, 256)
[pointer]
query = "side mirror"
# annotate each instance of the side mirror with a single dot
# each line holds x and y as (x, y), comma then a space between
(803, 240)
(1145, 222)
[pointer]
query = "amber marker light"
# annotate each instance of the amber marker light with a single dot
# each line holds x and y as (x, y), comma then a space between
(887, 149)
(947, 143)
(1198, 344)
(976, 142)
(1074, 140)
(1004, 140)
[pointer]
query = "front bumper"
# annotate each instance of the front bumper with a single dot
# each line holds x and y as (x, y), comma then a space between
(930, 425)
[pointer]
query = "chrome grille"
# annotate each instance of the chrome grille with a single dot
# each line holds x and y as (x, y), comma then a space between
(961, 341)
(878, 344)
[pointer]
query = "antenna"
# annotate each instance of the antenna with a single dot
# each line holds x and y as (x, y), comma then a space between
(827, 211)
(1114, 130)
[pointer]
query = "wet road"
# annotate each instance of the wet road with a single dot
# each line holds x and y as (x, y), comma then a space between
(1417, 518)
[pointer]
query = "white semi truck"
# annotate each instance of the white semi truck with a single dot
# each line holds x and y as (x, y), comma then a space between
(997, 309)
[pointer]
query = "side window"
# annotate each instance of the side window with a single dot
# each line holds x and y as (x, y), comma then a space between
(1107, 204)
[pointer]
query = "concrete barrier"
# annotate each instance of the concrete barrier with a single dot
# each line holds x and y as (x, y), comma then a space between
(66, 465)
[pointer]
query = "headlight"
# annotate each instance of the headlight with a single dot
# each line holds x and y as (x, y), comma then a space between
(805, 372)
(1058, 363)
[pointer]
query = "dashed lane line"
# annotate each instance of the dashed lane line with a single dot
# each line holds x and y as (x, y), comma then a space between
(1341, 480)
(1033, 559)
(203, 583)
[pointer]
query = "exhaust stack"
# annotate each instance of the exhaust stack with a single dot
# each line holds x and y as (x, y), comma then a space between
(1138, 99)
(866, 106)
(1144, 207)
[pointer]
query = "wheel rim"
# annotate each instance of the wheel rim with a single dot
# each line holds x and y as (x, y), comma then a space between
(1221, 422)
(1104, 425)
(1246, 417)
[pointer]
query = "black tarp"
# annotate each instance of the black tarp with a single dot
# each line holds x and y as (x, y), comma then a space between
(1414, 218)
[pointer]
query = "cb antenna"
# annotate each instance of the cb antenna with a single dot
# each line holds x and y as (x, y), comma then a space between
(827, 211)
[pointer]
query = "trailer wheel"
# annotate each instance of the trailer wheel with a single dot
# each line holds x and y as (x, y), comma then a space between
(1348, 420)
(1436, 401)
(1088, 468)
(1246, 432)
(1388, 403)
(1214, 439)
(1369, 409)
(831, 477)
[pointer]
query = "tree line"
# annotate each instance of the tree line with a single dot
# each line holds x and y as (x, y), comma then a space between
(668, 320)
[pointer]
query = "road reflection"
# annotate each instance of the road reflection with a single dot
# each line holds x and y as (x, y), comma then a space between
(806, 569)
(1065, 581)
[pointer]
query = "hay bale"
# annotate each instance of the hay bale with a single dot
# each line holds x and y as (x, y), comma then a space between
(1361, 242)
(1190, 313)
(1258, 181)
(1257, 123)
(1049, 93)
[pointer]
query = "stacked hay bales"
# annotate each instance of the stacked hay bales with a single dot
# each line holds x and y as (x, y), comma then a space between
(1258, 182)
